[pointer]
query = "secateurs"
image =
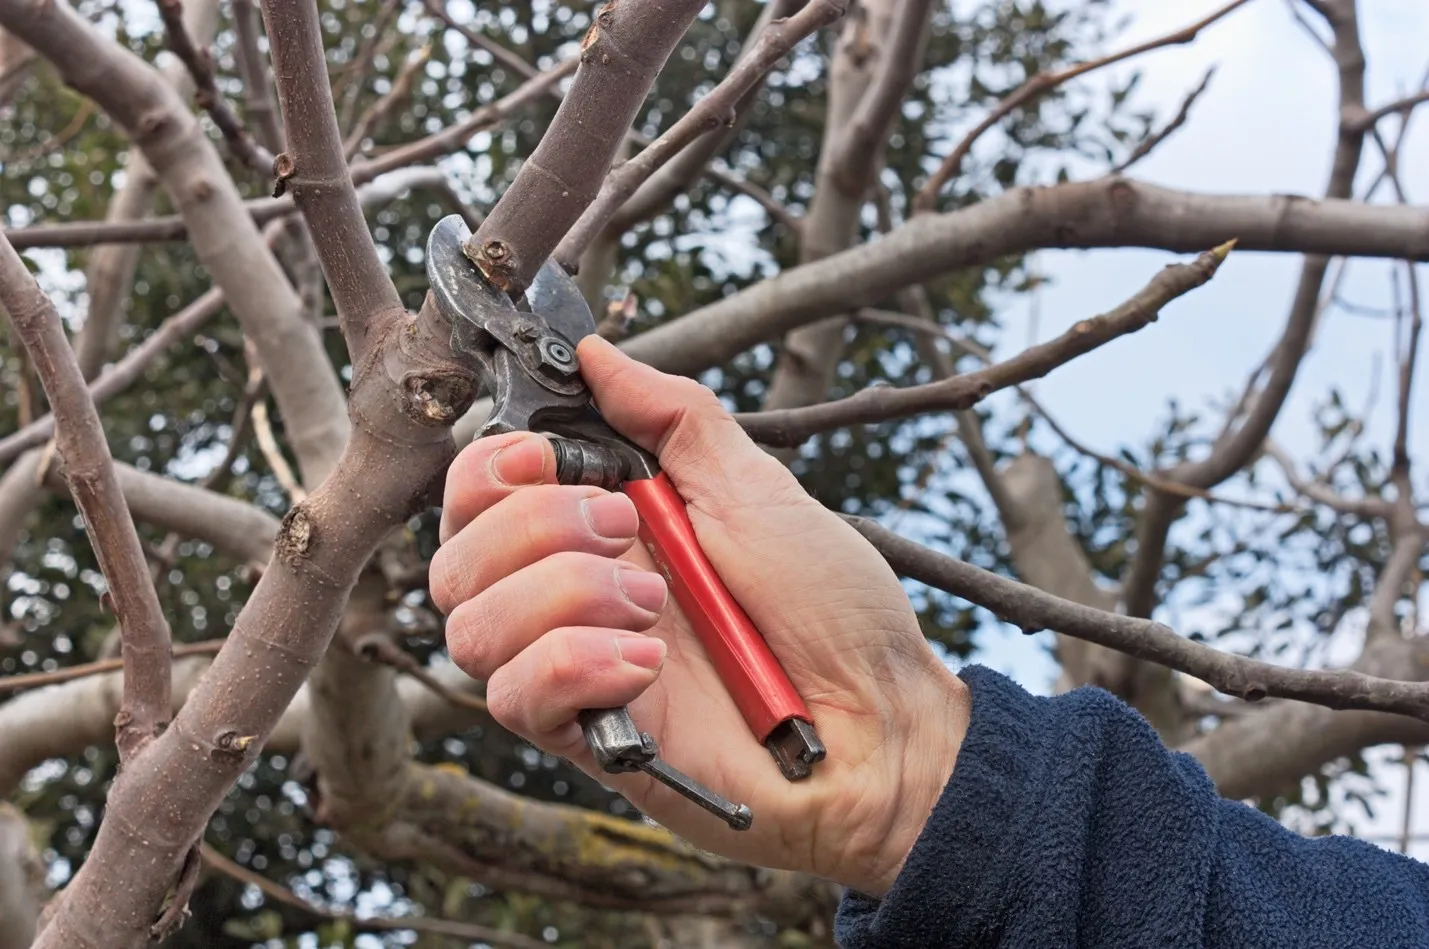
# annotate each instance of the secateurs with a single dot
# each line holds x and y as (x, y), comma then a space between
(526, 354)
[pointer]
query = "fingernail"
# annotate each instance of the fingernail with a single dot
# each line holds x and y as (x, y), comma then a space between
(611, 515)
(522, 462)
(647, 652)
(643, 588)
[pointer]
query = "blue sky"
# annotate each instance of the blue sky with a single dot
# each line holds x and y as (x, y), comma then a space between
(1265, 125)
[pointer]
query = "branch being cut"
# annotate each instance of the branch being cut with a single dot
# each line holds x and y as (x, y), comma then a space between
(199, 63)
(623, 52)
(715, 109)
(89, 471)
(791, 427)
(1043, 82)
(314, 168)
(1034, 611)
(1108, 212)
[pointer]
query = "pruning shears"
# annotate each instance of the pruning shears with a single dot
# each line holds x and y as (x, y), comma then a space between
(526, 354)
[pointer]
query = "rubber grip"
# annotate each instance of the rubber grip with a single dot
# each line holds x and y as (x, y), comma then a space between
(755, 680)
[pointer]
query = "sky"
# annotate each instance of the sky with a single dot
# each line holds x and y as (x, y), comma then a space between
(1266, 125)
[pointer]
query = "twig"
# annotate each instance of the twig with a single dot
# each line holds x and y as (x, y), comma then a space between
(258, 102)
(1152, 142)
(315, 169)
(267, 442)
(200, 65)
(378, 647)
(387, 103)
(982, 354)
(1403, 106)
(177, 912)
(1406, 369)
(35, 680)
(622, 53)
(788, 427)
(470, 932)
(501, 54)
(55, 142)
(355, 73)
(89, 470)
(124, 373)
(1032, 610)
(1042, 82)
(712, 111)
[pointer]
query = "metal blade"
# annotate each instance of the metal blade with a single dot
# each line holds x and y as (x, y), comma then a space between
(554, 297)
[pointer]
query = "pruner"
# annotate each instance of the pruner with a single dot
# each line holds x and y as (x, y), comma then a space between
(526, 354)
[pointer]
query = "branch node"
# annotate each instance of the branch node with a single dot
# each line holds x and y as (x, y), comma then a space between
(229, 744)
(284, 167)
(295, 537)
(437, 396)
(493, 257)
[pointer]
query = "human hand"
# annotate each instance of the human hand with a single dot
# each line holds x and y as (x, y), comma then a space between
(552, 602)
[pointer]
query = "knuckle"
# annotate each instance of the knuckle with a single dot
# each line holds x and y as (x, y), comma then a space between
(505, 701)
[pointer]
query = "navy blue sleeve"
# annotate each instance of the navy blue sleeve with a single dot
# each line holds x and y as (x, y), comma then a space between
(1067, 823)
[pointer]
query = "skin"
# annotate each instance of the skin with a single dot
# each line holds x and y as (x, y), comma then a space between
(552, 602)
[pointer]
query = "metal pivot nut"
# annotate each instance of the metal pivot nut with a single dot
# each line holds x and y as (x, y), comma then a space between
(556, 354)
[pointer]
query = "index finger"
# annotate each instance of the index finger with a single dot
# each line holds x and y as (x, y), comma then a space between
(488, 470)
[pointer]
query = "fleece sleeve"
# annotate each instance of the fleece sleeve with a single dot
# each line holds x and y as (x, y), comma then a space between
(1067, 823)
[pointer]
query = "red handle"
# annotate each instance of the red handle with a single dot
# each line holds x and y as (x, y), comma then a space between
(741, 656)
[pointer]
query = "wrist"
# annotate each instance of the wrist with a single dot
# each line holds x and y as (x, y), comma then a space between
(934, 720)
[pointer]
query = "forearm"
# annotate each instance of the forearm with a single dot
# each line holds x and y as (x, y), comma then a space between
(1068, 823)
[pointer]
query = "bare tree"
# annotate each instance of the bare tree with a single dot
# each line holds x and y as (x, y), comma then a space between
(283, 197)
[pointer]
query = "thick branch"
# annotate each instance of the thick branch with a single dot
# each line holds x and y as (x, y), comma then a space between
(234, 528)
(89, 471)
(622, 53)
(789, 427)
(22, 880)
(225, 239)
(715, 109)
(1043, 82)
(1248, 679)
(1109, 212)
(161, 802)
(315, 169)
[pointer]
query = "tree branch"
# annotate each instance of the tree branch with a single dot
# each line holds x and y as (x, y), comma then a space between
(791, 427)
(858, 143)
(22, 880)
(224, 238)
(1034, 611)
(622, 54)
(466, 932)
(1109, 212)
(715, 109)
(199, 63)
(1042, 82)
(253, 70)
(314, 168)
(124, 373)
(675, 177)
(1154, 141)
(89, 471)
(1235, 448)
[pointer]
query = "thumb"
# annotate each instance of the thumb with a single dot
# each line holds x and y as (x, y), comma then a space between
(710, 459)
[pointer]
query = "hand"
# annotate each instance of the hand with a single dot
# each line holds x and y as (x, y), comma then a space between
(551, 602)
